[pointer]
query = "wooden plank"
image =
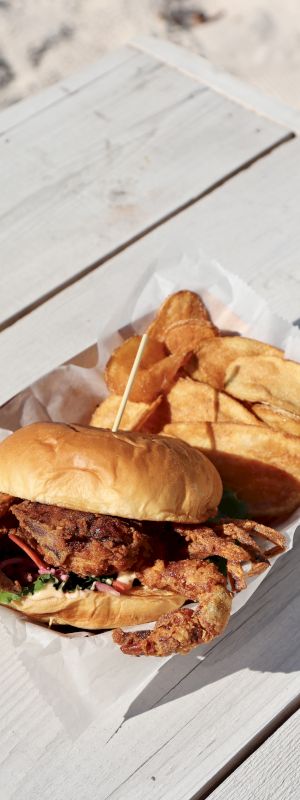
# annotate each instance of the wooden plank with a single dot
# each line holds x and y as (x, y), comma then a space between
(228, 85)
(17, 113)
(195, 717)
(92, 172)
(28, 726)
(273, 771)
(251, 224)
(21, 112)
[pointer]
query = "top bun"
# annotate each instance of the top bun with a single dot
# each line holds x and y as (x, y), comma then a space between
(131, 475)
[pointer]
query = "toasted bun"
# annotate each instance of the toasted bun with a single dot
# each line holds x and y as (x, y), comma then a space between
(131, 475)
(93, 610)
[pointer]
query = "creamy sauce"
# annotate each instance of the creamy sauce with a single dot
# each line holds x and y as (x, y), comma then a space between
(126, 577)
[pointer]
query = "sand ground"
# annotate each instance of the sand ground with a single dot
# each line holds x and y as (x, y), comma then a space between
(42, 41)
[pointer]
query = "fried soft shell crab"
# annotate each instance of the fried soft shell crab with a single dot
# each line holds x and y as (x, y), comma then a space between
(103, 530)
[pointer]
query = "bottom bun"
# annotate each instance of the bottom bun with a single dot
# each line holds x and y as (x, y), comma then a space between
(94, 610)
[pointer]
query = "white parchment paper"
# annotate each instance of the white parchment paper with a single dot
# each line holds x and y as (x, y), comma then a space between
(82, 675)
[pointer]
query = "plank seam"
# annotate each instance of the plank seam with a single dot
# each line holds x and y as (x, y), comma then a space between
(247, 751)
(144, 232)
(146, 760)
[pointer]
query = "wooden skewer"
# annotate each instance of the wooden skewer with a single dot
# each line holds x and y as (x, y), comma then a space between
(130, 381)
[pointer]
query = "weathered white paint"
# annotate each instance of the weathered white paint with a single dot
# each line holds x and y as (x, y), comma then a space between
(89, 172)
(228, 85)
(21, 112)
(273, 771)
(250, 224)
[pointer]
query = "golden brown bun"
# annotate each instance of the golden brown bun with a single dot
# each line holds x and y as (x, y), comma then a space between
(131, 475)
(95, 610)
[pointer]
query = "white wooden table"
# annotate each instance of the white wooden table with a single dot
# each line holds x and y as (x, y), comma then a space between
(149, 147)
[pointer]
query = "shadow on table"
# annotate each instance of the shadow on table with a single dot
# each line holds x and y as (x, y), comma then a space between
(264, 636)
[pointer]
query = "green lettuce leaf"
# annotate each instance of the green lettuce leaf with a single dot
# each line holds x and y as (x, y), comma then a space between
(231, 506)
(72, 583)
(7, 597)
(75, 582)
(41, 582)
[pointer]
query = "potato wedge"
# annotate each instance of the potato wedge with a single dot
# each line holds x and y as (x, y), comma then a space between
(265, 379)
(191, 401)
(154, 376)
(179, 306)
(277, 418)
(134, 417)
(124, 355)
(260, 464)
(215, 355)
(158, 418)
(188, 335)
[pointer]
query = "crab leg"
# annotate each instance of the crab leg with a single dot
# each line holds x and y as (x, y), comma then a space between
(244, 529)
(182, 630)
(234, 541)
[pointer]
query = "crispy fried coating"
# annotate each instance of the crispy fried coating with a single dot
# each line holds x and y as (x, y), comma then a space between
(7, 585)
(6, 501)
(245, 529)
(174, 558)
(200, 580)
(182, 630)
(176, 632)
(233, 540)
(184, 577)
(84, 543)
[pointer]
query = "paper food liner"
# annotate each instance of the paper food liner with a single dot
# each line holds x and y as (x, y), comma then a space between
(82, 675)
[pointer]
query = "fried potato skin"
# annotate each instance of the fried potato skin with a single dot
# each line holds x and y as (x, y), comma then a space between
(265, 379)
(187, 335)
(215, 356)
(180, 306)
(278, 418)
(260, 464)
(192, 401)
(203, 386)
(154, 376)
(134, 418)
